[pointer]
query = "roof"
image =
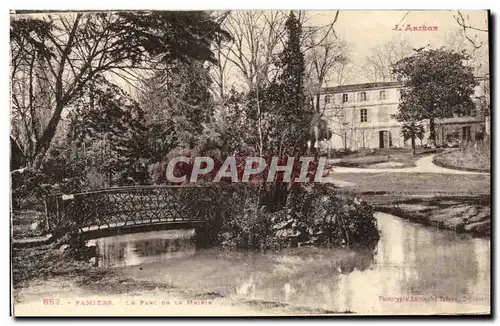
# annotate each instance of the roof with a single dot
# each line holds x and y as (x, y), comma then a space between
(357, 87)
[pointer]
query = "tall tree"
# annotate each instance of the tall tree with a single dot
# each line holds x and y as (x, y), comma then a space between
(177, 103)
(73, 49)
(379, 63)
(292, 64)
(476, 35)
(469, 28)
(258, 38)
(436, 84)
(327, 55)
(321, 61)
(107, 131)
(282, 105)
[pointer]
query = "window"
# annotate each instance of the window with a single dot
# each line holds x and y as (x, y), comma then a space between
(381, 95)
(364, 115)
(327, 99)
(345, 98)
(362, 96)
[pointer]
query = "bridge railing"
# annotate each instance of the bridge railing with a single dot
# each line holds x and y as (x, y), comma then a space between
(126, 206)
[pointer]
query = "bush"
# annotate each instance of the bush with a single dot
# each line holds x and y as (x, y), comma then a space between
(314, 214)
(317, 215)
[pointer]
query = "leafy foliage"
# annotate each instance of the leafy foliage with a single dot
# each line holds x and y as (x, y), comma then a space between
(58, 174)
(177, 104)
(168, 36)
(232, 129)
(107, 132)
(313, 215)
(95, 45)
(112, 140)
(437, 84)
(412, 130)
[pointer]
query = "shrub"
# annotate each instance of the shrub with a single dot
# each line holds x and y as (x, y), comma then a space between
(314, 214)
(317, 215)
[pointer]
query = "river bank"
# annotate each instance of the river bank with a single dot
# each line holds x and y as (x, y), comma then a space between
(113, 294)
(424, 269)
(462, 214)
(457, 202)
(48, 282)
(62, 287)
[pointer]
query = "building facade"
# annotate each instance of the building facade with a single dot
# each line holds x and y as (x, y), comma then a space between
(360, 116)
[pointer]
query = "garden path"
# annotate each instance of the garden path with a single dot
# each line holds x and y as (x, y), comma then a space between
(423, 165)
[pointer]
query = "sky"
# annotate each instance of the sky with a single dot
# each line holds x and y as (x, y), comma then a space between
(364, 30)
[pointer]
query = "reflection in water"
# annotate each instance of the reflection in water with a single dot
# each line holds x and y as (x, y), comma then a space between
(410, 259)
(413, 260)
(141, 248)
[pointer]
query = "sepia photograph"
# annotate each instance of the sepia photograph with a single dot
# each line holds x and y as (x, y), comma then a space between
(250, 163)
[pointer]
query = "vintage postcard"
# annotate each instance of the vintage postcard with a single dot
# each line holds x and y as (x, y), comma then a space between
(250, 163)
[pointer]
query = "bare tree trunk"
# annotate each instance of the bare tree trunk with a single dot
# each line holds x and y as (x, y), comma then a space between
(432, 131)
(317, 101)
(47, 136)
(259, 119)
(315, 139)
(61, 98)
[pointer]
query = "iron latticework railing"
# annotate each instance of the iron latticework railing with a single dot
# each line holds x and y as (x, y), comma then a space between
(142, 205)
(130, 206)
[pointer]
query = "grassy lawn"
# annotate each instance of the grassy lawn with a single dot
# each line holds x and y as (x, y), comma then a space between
(34, 265)
(471, 157)
(384, 158)
(41, 262)
(417, 183)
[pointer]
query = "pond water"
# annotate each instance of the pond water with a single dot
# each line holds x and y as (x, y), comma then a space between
(414, 269)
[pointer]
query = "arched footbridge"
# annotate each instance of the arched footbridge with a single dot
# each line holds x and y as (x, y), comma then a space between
(124, 210)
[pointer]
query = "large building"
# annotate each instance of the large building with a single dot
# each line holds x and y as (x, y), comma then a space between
(360, 116)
